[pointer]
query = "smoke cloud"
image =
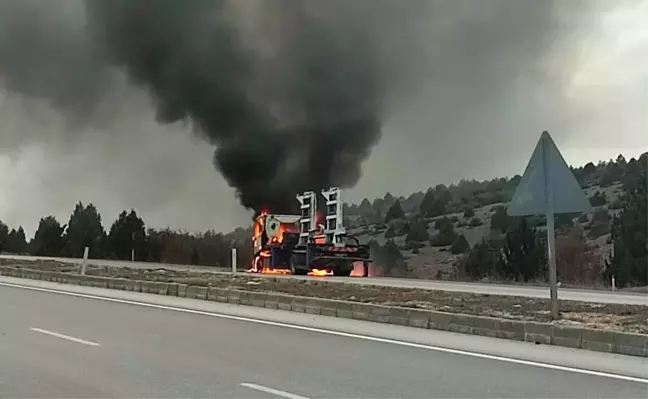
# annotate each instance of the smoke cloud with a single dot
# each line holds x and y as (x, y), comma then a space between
(310, 127)
(294, 95)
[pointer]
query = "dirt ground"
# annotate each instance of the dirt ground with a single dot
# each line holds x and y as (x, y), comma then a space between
(631, 318)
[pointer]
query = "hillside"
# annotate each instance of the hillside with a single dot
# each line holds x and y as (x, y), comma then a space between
(476, 210)
(456, 232)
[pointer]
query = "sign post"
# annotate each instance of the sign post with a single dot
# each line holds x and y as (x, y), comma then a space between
(548, 187)
(551, 233)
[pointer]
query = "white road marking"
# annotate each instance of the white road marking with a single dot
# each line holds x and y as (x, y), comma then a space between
(344, 334)
(272, 391)
(69, 338)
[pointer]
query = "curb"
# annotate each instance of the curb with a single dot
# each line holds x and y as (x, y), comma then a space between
(540, 333)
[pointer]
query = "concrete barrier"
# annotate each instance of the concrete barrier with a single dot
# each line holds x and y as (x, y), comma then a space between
(182, 290)
(630, 344)
(598, 340)
(541, 333)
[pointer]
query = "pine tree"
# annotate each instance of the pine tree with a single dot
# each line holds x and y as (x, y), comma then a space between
(16, 241)
(524, 256)
(48, 239)
(394, 212)
(629, 259)
(500, 220)
(127, 233)
(460, 245)
(435, 201)
(85, 230)
(417, 232)
(4, 238)
(482, 260)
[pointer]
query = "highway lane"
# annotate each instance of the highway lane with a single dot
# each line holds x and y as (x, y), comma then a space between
(598, 296)
(152, 352)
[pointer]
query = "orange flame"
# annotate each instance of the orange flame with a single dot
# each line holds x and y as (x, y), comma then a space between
(320, 272)
(270, 270)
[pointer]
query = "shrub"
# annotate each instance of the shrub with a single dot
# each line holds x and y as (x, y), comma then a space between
(598, 229)
(598, 199)
(469, 213)
(474, 222)
(583, 218)
(443, 239)
(500, 220)
(576, 261)
(390, 233)
(417, 232)
(600, 216)
(415, 244)
(443, 223)
(380, 226)
(460, 245)
(617, 204)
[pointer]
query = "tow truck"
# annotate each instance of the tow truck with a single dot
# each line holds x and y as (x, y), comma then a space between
(313, 243)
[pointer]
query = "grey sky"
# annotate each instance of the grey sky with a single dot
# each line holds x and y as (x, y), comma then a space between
(484, 81)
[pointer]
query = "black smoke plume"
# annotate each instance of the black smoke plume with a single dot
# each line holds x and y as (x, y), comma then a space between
(296, 103)
(308, 129)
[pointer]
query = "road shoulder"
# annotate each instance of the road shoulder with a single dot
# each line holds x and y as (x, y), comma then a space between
(389, 334)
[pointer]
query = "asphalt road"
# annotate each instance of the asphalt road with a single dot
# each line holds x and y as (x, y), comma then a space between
(55, 345)
(597, 296)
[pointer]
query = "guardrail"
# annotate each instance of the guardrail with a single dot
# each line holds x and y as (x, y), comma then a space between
(539, 333)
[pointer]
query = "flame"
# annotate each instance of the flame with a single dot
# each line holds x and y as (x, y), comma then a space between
(358, 270)
(265, 270)
(278, 239)
(270, 270)
(262, 254)
(320, 272)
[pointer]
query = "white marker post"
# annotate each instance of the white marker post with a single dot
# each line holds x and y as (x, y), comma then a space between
(233, 260)
(86, 250)
(133, 247)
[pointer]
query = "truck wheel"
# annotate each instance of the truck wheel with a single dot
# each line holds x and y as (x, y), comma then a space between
(296, 271)
(343, 271)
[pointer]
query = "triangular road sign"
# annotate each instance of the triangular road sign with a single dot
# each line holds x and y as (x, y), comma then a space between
(547, 180)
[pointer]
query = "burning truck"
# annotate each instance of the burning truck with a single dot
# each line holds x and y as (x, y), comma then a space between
(312, 243)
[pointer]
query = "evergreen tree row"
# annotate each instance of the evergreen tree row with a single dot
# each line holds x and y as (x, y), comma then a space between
(126, 239)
